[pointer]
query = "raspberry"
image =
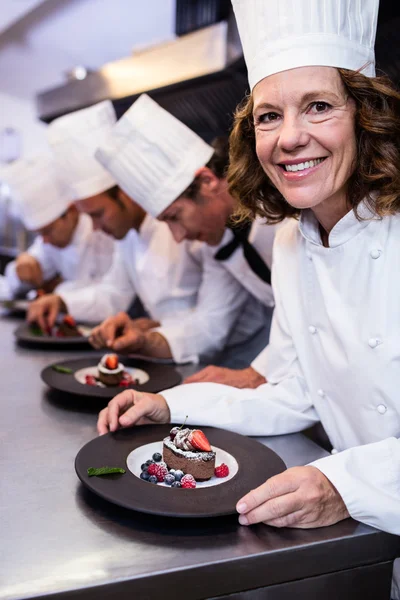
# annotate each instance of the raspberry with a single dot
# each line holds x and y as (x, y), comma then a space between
(160, 472)
(90, 380)
(221, 471)
(124, 383)
(152, 468)
(188, 481)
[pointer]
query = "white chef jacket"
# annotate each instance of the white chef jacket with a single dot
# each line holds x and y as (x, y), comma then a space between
(333, 356)
(261, 237)
(86, 259)
(181, 285)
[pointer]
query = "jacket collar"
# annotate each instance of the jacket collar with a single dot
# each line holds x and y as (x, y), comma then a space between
(347, 228)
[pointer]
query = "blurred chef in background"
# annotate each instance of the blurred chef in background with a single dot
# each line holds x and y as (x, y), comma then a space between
(161, 163)
(192, 302)
(67, 251)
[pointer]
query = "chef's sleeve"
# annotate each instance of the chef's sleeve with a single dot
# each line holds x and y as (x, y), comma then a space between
(368, 479)
(44, 254)
(204, 329)
(260, 363)
(98, 301)
(283, 405)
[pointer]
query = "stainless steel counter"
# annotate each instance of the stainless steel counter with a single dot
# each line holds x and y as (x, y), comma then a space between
(58, 539)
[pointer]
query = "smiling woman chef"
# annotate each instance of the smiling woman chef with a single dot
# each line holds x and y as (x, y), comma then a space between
(317, 139)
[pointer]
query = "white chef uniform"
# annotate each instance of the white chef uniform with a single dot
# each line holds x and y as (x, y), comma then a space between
(333, 357)
(177, 285)
(333, 354)
(154, 157)
(84, 261)
(40, 199)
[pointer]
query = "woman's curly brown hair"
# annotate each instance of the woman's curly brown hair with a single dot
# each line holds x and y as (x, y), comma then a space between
(376, 177)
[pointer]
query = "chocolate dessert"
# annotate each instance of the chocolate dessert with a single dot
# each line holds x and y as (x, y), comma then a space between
(110, 370)
(68, 328)
(188, 450)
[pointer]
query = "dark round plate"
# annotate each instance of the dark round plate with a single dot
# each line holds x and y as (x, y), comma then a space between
(24, 334)
(161, 377)
(256, 464)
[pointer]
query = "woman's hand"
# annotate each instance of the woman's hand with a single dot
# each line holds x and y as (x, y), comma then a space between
(300, 497)
(133, 408)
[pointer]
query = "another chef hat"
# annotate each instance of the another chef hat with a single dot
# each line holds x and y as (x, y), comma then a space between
(39, 196)
(74, 139)
(152, 155)
(278, 35)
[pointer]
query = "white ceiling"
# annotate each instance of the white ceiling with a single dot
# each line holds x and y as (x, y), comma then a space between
(53, 36)
(13, 10)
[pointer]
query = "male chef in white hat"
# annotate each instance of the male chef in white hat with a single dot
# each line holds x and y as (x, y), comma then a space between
(180, 180)
(66, 245)
(307, 143)
(194, 298)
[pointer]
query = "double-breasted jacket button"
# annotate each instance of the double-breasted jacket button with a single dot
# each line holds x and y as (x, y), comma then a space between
(312, 329)
(375, 253)
(321, 393)
(373, 342)
(381, 408)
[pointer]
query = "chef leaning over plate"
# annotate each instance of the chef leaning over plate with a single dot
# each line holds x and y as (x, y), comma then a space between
(194, 298)
(180, 180)
(318, 141)
(67, 245)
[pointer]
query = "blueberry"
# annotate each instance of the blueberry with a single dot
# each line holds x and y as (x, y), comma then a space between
(172, 471)
(152, 479)
(163, 464)
(144, 467)
(169, 479)
(144, 475)
(176, 484)
(156, 457)
(178, 475)
(149, 462)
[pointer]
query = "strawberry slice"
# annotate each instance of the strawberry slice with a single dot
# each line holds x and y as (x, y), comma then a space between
(70, 321)
(111, 362)
(199, 441)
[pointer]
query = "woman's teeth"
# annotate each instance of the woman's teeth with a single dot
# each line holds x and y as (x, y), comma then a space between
(303, 165)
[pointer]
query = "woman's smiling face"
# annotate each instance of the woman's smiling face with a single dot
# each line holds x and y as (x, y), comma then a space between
(305, 135)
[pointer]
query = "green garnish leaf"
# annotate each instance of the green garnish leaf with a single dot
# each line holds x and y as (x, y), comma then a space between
(93, 471)
(61, 369)
(35, 330)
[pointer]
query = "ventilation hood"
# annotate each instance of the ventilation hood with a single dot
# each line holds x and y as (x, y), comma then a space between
(199, 77)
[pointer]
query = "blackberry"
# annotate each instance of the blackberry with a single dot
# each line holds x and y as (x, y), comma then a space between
(152, 479)
(156, 457)
(169, 479)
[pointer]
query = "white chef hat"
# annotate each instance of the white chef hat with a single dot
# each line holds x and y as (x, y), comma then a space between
(152, 155)
(74, 139)
(278, 35)
(40, 198)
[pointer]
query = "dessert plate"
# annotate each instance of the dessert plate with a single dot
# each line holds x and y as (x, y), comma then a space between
(31, 335)
(126, 448)
(151, 377)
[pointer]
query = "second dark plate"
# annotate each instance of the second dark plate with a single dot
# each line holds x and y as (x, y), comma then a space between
(159, 377)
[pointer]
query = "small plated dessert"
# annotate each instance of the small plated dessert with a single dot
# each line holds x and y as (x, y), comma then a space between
(68, 328)
(110, 370)
(189, 450)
